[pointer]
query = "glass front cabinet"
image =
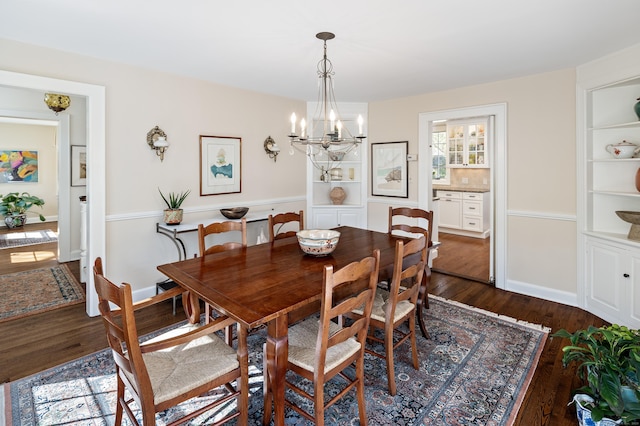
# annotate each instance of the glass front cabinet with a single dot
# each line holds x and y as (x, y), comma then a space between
(467, 143)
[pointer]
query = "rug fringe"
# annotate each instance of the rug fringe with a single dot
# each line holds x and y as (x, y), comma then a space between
(530, 325)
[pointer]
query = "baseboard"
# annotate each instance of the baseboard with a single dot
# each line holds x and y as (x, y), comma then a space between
(550, 294)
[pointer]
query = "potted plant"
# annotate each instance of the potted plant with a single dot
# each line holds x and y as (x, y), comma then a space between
(14, 207)
(608, 361)
(173, 212)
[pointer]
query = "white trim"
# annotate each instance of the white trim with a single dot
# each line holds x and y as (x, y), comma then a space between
(498, 163)
(539, 215)
(96, 185)
(550, 294)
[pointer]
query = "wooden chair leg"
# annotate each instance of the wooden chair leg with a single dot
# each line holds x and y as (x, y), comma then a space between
(318, 402)
(423, 301)
(414, 346)
(362, 409)
(388, 351)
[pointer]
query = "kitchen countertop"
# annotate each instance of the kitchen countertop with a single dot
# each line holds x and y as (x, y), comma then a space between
(459, 188)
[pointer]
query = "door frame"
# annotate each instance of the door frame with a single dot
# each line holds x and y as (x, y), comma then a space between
(96, 176)
(498, 175)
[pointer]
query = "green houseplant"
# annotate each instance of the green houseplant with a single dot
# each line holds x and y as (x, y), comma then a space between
(14, 207)
(173, 212)
(608, 361)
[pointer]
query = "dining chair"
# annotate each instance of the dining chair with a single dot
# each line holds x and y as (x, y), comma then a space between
(220, 228)
(397, 306)
(320, 349)
(174, 366)
(282, 220)
(412, 222)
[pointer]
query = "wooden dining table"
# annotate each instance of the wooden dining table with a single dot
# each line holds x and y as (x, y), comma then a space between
(274, 284)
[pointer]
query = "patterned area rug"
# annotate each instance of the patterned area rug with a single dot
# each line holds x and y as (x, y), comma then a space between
(29, 292)
(29, 238)
(474, 370)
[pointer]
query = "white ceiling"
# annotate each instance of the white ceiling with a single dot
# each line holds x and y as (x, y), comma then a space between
(383, 49)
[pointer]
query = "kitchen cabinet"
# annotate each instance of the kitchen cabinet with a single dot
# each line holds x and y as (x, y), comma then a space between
(327, 218)
(467, 143)
(464, 213)
(608, 261)
(613, 284)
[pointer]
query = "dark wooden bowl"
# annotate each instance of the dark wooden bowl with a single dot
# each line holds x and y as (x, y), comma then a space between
(235, 212)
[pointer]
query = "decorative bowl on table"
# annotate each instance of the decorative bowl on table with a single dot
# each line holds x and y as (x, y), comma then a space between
(235, 212)
(318, 242)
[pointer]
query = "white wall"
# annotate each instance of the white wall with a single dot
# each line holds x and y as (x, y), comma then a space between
(138, 100)
(541, 171)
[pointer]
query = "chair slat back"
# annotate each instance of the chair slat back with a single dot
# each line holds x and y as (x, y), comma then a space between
(411, 221)
(120, 325)
(221, 228)
(283, 219)
(409, 264)
(344, 290)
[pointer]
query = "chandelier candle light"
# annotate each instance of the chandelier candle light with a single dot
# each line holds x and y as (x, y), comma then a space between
(328, 150)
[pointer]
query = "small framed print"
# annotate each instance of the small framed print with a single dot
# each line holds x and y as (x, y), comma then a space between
(78, 165)
(389, 171)
(220, 165)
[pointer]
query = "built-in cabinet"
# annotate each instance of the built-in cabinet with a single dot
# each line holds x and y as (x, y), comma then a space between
(464, 213)
(350, 174)
(467, 143)
(608, 259)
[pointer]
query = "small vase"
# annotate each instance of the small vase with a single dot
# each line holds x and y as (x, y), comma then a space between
(637, 108)
(15, 221)
(638, 180)
(173, 216)
(337, 195)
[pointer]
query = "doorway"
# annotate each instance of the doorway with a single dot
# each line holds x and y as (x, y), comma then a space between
(95, 113)
(497, 160)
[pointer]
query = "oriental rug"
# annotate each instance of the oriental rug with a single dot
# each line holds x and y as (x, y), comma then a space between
(38, 290)
(28, 238)
(474, 370)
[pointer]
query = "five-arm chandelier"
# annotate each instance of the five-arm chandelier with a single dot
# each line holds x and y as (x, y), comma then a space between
(327, 140)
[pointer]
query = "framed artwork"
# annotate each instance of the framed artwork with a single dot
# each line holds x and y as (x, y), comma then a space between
(220, 165)
(18, 166)
(78, 165)
(389, 171)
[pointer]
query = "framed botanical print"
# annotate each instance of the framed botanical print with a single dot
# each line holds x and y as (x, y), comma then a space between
(389, 171)
(220, 165)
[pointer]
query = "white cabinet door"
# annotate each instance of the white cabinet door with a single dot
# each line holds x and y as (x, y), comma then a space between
(467, 143)
(450, 213)
(613, 274)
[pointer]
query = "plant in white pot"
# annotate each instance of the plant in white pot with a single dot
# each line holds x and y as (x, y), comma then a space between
(173, 212)
(14, 207)
(608, 361)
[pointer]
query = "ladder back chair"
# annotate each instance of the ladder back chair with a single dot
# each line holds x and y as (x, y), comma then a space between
(173, 367)
(281, 221)
(320, 350)
(397, 306)
(412, 222)
(219, 228)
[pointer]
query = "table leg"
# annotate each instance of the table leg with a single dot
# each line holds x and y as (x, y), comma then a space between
(423, 300)
(277, 353)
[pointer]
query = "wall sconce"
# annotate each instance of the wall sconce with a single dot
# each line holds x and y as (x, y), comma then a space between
(157, 139)
(271, 148)
(57, 102)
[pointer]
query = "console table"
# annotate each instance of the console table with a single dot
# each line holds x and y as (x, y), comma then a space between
(173, 231)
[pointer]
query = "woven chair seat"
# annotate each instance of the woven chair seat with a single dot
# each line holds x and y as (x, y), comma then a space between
(303, 338)
(380, 303)
(176, 370)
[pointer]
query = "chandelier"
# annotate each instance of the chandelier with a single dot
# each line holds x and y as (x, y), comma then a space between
(328, 140)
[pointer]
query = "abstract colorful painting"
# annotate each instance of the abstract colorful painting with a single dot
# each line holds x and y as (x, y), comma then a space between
(18, 166)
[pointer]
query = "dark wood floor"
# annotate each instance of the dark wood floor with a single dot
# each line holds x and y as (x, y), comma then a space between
(466, 257)
(42, 341)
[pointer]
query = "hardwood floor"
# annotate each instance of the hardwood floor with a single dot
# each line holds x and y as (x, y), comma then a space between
(465, 257)
(42, 341)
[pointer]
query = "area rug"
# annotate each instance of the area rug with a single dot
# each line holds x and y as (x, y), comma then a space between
(38, 290)
(28, 238)
(474, 370)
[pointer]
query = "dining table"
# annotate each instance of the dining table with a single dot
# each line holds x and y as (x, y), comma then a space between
(274, 284)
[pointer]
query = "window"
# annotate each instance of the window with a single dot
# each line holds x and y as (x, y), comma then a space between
(440, 172)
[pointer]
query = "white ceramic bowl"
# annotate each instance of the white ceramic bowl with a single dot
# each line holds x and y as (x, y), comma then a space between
(318, 242)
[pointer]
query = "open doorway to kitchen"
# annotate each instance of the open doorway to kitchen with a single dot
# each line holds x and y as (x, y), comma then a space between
(476, 186)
